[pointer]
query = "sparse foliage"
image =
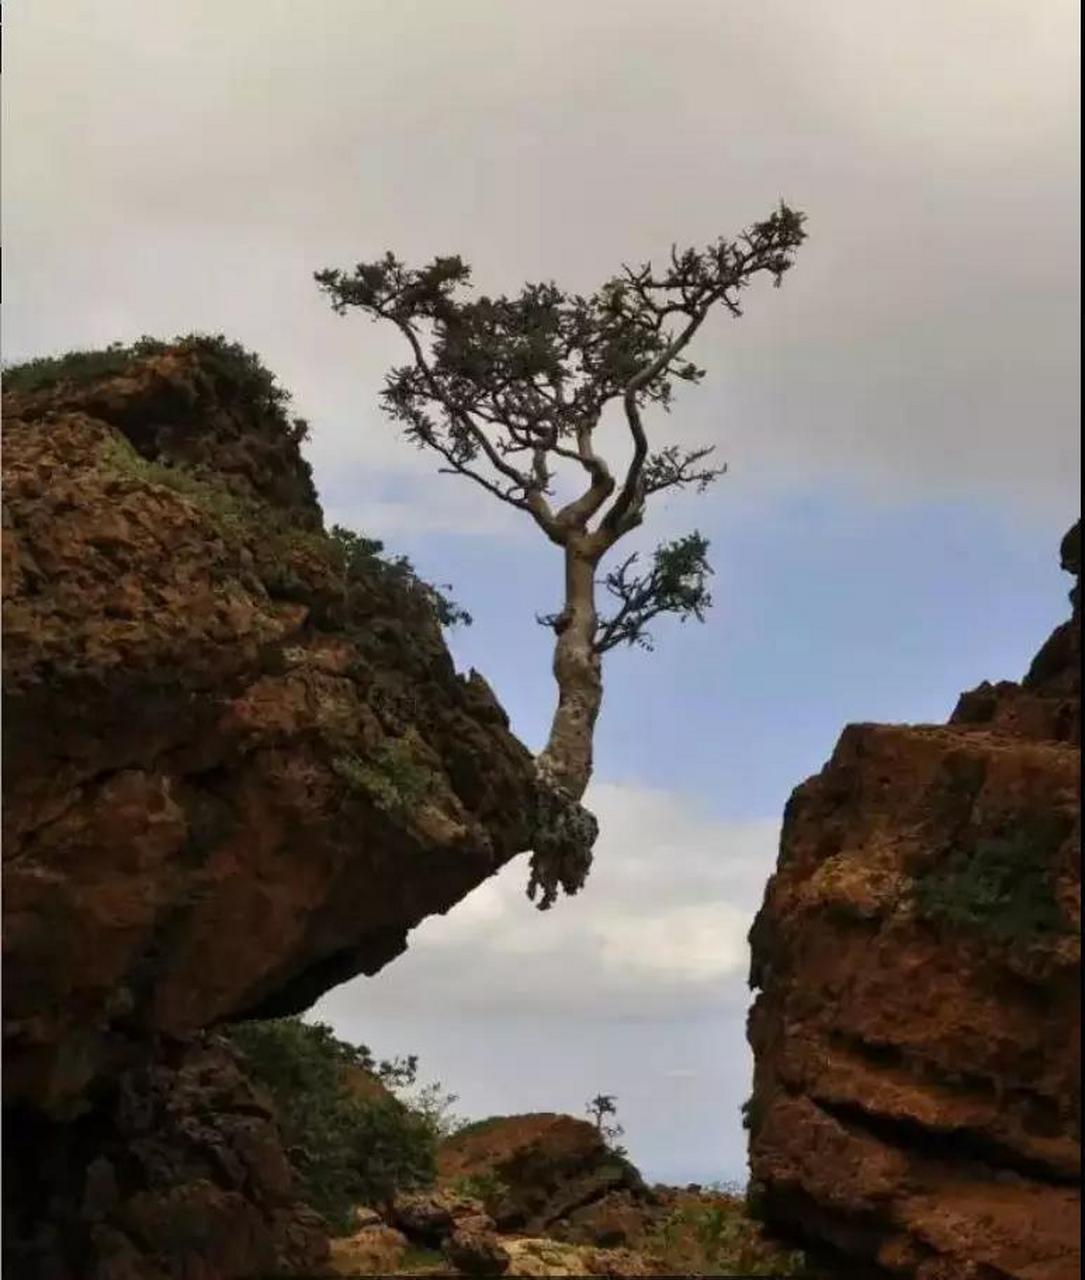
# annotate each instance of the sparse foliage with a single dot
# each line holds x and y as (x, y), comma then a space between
(361, 555)
(510, 392)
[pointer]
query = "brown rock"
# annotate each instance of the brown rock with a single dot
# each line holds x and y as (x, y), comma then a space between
(916, 1037)
(475, 1250)
(186, 1168)
(203, 731)
(429, 1216)
(547, 1166)
(373, 1250)
(233, 778)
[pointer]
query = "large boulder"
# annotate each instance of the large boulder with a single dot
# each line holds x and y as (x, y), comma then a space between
(542, 1169)
(239, 765)
(916, 1096)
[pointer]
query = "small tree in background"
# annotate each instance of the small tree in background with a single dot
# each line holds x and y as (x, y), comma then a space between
(602, 1106)
(510, 392)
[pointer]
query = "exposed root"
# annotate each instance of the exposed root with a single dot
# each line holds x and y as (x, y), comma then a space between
(561, 847)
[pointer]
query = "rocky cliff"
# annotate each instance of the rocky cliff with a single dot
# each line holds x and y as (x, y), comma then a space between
(239, 768)
(916, 1098)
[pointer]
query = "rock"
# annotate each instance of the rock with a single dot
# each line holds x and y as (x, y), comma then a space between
(545, 1165)
(541, 1257)
(429, 1216)
(916, 1097)
(476, 1250)
(234, 774)
(185, 1162)
(365, 1217)
(373, 1250)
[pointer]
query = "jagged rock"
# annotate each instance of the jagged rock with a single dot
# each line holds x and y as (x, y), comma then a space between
(429, 1216)
(916, 1098)
(546, 1166)
(179, 1164)
(234, 775)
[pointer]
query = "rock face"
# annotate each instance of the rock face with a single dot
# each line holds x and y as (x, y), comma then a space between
(239, 765)
(179, 1170)
(916, 1097)
(548, 1174)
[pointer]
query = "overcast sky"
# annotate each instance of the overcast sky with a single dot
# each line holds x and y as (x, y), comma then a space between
(900, 420)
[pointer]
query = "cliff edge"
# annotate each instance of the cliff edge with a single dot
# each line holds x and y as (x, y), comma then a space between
(239, 768)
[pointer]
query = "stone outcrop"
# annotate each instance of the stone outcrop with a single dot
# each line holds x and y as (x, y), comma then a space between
(177, 1169)
(916, 1100)
(548, 1173)
(239, 766)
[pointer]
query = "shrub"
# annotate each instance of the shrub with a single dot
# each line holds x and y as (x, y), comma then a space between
(238, 374)
(714, 1235)
(346, 1150)
(361, 557)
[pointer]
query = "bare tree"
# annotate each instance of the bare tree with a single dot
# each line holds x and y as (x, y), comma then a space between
(510, 391)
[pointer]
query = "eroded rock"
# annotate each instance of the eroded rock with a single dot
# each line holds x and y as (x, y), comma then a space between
(917, 1084)
(237, 771)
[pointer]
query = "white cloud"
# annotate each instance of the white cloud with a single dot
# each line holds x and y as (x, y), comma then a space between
(926, 343)
(660, 926)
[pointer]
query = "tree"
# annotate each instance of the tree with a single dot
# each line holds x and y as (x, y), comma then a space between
(599, 1108)
(511, 391)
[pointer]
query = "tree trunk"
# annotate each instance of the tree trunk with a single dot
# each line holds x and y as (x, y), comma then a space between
(567, 756)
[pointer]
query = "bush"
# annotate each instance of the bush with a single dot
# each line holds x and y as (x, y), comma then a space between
(346, 1150)
(713, 1234)
(361, 557)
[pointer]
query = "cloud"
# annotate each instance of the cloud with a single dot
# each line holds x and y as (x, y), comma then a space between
(659, 929)
(926, 344)
(635, 987)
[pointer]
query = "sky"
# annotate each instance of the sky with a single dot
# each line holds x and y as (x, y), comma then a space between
(900, 420)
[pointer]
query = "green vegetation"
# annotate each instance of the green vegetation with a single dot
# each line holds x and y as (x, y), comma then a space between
(392, 777)
(361, 557)
(1003, 888)
(714, 1235)
(237, 374)
(599, 1108)
(484, 1186)
(233, 516)
(347, 1149)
